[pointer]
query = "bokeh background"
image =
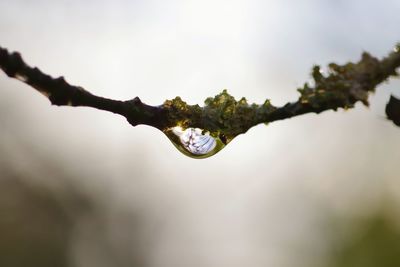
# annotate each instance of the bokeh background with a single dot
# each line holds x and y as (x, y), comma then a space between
(81, 187)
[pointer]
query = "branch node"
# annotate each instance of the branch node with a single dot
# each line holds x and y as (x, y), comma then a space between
(13, 62)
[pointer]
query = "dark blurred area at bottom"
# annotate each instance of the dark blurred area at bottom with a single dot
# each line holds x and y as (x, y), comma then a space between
(45, 226)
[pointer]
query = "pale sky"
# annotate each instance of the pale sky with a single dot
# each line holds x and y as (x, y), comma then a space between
(255, 202)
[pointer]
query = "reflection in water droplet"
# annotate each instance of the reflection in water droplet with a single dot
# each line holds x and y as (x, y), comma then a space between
(195, 142)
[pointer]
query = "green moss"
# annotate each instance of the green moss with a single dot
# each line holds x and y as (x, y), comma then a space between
(220, 114)
(343, 85)
(340, 87)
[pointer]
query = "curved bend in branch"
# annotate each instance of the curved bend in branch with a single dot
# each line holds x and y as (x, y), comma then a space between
(341, 87)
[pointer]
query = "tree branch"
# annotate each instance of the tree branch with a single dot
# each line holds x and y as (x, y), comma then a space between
(342, 87)
(61, 93)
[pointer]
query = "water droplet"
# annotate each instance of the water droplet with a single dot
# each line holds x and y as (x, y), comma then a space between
(196, 142)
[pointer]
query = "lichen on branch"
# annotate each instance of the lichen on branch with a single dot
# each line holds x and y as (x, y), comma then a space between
(341, 87)
(221, 113)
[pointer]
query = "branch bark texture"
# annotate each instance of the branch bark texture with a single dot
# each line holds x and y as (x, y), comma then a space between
(341, 87)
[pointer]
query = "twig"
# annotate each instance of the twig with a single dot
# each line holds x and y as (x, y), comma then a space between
(341, 88)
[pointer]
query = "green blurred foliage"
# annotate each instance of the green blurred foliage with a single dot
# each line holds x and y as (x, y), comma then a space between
(374, 242)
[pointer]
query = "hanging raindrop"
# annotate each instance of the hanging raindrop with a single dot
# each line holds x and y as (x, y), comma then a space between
(195, 142)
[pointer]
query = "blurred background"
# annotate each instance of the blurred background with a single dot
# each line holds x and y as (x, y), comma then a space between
(81, 187)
